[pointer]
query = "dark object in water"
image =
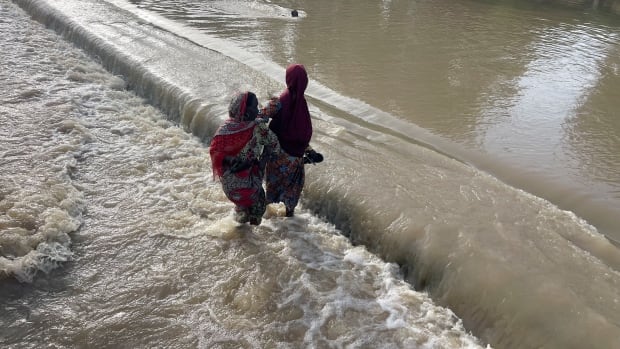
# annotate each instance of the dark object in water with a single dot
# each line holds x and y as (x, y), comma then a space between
(312, 157)
(294, 13)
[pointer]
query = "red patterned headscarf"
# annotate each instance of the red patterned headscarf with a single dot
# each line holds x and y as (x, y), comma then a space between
(233, 135)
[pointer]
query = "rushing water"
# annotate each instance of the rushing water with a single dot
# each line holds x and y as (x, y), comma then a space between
(106, 174)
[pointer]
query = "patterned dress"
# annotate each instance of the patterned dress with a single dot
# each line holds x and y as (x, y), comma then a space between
(285, 178)
(245, 188)
(239, 151)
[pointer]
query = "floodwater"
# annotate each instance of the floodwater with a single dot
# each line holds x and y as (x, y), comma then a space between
(468, 198)
(528, 94)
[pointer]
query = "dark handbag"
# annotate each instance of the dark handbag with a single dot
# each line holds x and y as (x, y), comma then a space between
(312, 157)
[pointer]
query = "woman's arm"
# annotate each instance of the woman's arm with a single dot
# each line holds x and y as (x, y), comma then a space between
(272, 108)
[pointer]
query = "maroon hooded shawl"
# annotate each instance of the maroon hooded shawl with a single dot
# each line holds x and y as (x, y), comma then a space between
(292, 124)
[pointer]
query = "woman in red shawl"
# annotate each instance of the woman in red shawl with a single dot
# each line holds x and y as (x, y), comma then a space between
(239, 151)
(285, 176)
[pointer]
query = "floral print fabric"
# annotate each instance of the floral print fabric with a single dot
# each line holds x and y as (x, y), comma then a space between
(285, 180)
(245, 188)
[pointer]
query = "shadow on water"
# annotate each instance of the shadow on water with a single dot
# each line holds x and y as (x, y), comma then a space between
(56, 281)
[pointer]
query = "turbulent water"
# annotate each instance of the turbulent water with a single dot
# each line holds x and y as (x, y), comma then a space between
(113, 234)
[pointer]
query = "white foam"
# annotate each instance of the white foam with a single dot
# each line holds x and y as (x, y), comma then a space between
(226, 228)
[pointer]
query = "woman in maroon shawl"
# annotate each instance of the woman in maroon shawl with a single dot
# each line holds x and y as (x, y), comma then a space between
(239, 151)
(285, 176)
